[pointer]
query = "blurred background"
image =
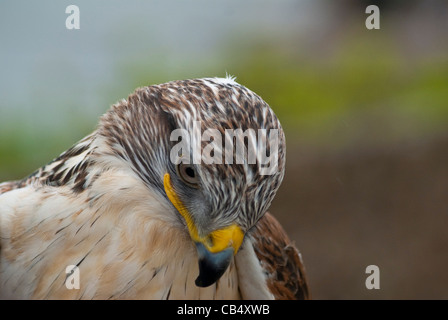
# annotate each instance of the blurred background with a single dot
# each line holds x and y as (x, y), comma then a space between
(365, 113)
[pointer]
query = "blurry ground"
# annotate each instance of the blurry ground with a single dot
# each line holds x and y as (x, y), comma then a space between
(387, 207)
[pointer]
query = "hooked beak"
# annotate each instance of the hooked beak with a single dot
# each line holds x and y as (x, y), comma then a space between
(211, 265)
(215, 251)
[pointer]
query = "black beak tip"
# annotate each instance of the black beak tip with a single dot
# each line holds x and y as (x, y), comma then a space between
(211, 265)
(204, 282)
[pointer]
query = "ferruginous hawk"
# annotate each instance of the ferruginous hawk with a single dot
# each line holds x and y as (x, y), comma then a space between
(136, 224)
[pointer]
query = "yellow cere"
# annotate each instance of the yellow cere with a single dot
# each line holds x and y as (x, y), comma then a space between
(218, 240)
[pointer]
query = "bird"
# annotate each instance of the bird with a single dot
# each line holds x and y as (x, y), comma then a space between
(137, 220)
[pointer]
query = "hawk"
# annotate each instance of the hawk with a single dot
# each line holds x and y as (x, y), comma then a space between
(139, 225)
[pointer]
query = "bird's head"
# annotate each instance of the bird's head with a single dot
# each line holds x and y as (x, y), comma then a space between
(212, 149)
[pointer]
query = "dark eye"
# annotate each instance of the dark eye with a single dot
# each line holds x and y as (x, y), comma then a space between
(188, 174)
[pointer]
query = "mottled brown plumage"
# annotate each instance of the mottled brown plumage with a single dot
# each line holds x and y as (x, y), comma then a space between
(280, 260)
(116, 206)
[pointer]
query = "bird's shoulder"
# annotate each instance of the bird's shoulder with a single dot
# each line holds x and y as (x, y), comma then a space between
(70, 168)
(9, 185)
(280, 260)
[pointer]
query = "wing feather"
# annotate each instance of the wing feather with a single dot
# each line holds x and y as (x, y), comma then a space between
(8, 186)
(280, 260)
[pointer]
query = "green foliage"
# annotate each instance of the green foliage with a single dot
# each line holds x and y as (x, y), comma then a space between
(24, 147)
(362, 90)
(363, 82)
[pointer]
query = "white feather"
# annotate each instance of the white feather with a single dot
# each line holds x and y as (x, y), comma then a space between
(252, 280)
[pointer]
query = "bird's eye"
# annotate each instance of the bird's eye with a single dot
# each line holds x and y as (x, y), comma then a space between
(188, 174)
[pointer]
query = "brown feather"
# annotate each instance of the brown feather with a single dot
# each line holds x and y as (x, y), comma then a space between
(280, 260)
(8, 186)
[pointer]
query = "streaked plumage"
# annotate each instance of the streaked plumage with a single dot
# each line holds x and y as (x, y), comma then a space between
(110, 205)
